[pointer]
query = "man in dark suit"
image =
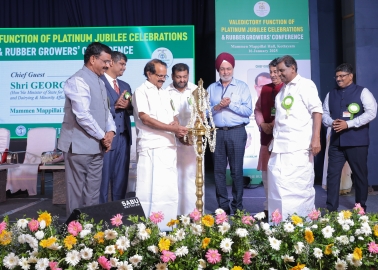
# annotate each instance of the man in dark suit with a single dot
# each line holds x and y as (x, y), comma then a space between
(117, 161)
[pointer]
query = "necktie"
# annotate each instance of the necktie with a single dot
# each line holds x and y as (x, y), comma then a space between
(116, 88)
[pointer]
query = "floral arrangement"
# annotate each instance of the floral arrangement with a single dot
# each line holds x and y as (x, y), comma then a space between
(337, 240)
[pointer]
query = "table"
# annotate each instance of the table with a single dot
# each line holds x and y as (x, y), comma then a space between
(3, 179)
(59, 182)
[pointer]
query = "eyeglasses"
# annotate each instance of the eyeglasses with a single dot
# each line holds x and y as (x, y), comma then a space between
(341, 76)
(225, 69)
(161, 76)
(106, 62)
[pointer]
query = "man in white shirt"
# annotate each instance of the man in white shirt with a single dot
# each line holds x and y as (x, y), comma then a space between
(157, 124)
(180, 91)
(296, 140)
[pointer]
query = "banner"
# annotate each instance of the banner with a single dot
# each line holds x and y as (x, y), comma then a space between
(35, 63)
(256, 32)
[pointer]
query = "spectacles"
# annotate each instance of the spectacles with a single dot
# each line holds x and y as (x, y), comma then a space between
(225, 69)
(106, 62)
(341, 76)
(161, 76)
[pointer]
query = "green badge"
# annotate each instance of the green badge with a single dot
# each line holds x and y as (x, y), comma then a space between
(127, 95)
(287, 103)
(190, 100)
(272, 111)
(172, 105)
(353, 108)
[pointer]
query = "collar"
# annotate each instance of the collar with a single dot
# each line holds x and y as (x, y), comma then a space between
(90, 72)
(172, 88)
(233, 82)
(149, 85)
(110, 79)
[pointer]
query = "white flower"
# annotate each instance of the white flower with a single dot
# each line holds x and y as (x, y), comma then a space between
(259, 216)
(360, 238)
(223, 268)
(182, 251)
(265, 226)
(39, 235)
(84, 233)
(224, 227)
(340, 265)
(153, 249)
(335, 252)
(324, 220)
(21, 239)
(180, 234)
(219, 211)
(253, 252)
(299, 247)
(346, 227)
(161, 266)
(92, 266)
(123, 243)
(24, 263)
(351, 238)
(86, 253)
(143, 234)
(343, 239)
(22, 223)
(225, 245)
(54, 246)
(314, 226)
(196, 229)
(110, 234)
(185, 220)
(72, 257)
(288, 227)
(113, 261)
(32, 259)
(42, 224)
(10, 261)
(365, 229)
(171, 238)
(328, 231)
(124, 266)
(357, 232)
(300, 225)
(162, 234)
(287, 258)
(135, 259)
(364, 219)
(352, 261)
(274, 243)
(42, 264)
(110, 249)
(318, 253)
(202, 264)
(256, 227)
(88, 226)
(241, 232)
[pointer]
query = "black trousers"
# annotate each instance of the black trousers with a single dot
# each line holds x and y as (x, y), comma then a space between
(357, 159)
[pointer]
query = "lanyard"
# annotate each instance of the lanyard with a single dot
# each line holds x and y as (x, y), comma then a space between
(224, 90)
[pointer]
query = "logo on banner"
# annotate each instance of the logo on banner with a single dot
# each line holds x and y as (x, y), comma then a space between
(261, 8)
(164, 55)
(20, 131)
(130, 203)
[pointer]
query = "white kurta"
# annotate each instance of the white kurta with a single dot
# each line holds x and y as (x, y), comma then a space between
(186, 156)
(291, 166)
(156, 186)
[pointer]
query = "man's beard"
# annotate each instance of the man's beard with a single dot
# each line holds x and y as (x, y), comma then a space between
(178, 85)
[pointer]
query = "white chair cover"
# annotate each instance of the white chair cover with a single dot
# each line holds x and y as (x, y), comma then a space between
(4, 141)
(39, 140)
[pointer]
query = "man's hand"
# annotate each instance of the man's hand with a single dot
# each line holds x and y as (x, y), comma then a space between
(339, 125)
(122, 103)
(225, 102)
(180, 131)
(315, 146)
(267, 128)
(107, 140)
(184, 142)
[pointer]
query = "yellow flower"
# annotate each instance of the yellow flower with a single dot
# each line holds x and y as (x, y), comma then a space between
(236, 268)
(347, 214)
(99, 237)
(46, 217)
(309, 236)
(357, 254)
(164, 244)
(208, 220)
(47, 242)
(69, 241)
(328, 249)
(205, 242)
(375, 230)
(296, 220)
(173, 222)
(148, 230)
(5, 238)
(298, 266)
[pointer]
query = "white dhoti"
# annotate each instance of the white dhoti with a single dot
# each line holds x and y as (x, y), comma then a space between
(291, 183)
(156, 186)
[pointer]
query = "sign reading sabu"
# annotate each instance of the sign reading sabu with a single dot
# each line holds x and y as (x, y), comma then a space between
(131, 203)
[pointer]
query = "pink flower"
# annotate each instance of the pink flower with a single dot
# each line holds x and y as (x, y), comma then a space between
(167, 256)
(247, 220)
(276, 216)
(54, 266)
(247, 257)
(117, 220)
(195, 215)
(157, 217)
(213, 256)
(373, 248)
(359, 208)
(74, 228)
(104, 262)
(33, 225)
(220, 218)
(314, 214)
(3, 226)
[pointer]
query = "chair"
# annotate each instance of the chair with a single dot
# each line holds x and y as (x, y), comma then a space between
(25, 176)
(4, 144)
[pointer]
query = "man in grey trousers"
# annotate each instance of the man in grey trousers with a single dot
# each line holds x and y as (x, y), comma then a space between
(87, 129)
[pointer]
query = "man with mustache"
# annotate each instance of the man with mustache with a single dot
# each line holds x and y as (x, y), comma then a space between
(231, 106)
(296, 140)
(348, 110)
(157, 124)
(180, 91)
(88, 128)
